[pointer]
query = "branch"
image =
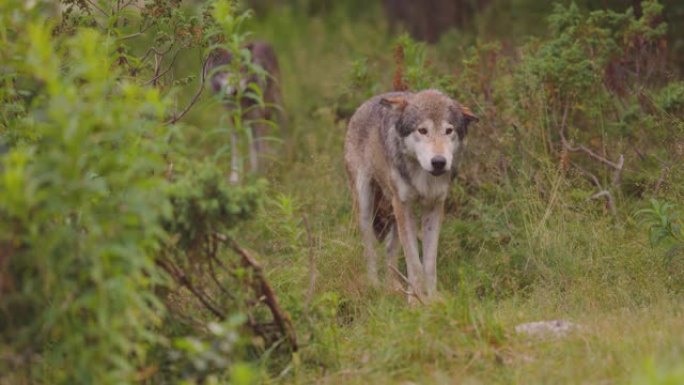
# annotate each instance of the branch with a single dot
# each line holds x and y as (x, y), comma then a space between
(413, 292)
(159, 75)
(194, 98)
(182, 279)
(214, 277)
(661, 179)
(581, 148)
(97, 7)
(588, 151)
(312, 263)
(262, 286)
(610, 202)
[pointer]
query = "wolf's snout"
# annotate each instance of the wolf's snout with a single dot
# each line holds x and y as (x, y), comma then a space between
(438, 163)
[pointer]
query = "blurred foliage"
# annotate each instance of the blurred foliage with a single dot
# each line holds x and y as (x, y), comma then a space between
(203, 202)
(80, 212)
(90, 200)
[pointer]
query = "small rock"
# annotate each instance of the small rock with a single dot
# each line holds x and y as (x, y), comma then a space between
(544, 329)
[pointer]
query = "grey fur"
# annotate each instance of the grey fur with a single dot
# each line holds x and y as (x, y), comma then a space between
(263, 55)
(391, 149)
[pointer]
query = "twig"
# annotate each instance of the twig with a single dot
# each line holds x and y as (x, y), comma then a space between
(158, 74)
(591, 176)
(312, 263)
(96, 7)
(586, 150)
(264, 288)
(214, 277)
(182, 279)
(661, 179)
(610, 202)
(609, 199)
(169, 171)
(153, 50)
(194, 98)
(413, 291)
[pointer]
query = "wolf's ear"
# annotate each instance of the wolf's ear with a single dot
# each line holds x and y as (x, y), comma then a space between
(468, 117)
(397, 103)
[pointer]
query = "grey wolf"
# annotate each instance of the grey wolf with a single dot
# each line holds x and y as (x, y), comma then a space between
(265, 73)
(400, 152)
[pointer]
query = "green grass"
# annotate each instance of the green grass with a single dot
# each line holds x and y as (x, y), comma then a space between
(517, 251)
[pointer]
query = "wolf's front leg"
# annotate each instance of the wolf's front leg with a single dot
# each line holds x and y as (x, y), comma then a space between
(394, 279)
(432, 222)
(407, 235)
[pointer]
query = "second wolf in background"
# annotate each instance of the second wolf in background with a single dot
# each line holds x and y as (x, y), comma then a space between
(257, 116)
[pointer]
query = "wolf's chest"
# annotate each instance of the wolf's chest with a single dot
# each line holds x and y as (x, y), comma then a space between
(418, 185)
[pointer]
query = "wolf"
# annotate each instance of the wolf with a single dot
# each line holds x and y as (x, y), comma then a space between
(260, 117)
(400, 151)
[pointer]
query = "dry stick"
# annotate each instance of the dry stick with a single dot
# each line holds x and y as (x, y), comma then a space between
(280, 317)
(588, 151)
(158, 74)
(96, 7)
(214, 277)
(169, 171)
(413, 291)
(581, 148)
(602, 192)
(181, 278)
(150, 51)
(661, 178)
(312, 263)
(194, 98)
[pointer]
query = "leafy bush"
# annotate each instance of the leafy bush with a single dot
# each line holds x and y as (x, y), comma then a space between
(81, 196)
(204, 202)
(89, 203)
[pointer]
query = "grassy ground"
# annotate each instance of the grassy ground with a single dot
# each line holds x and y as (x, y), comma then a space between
(510, 253)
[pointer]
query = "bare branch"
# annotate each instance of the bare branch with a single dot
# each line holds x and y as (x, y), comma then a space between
(159, 75)
(661, 179)
(591, 176)
(582, 148)
(412, 292)
(194, 98)
(263, 288)
(312, 263)
(618, 170)
(610, 202)
(182, 279)
(97, 7)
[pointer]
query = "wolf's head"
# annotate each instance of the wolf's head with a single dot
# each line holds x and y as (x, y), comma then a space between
(432, 127)
(224, 77)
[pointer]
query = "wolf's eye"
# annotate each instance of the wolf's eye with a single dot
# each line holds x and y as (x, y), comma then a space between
(449, 131)
(422, 131)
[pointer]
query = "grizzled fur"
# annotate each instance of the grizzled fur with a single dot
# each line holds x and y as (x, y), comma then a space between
(399, 152)
(264, 56)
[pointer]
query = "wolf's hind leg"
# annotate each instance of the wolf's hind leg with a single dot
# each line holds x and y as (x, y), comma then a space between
(394, 281)
(365, 195)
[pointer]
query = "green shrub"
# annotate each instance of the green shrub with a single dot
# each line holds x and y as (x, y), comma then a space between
(80, 205)
(86, 204)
